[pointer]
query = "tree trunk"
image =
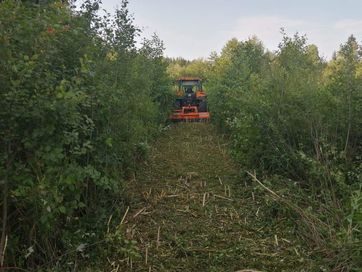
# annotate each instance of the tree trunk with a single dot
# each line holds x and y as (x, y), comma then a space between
(349, 119)
(3, 228)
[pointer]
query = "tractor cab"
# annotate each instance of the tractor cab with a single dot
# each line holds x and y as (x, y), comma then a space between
(188, 85)
(190, 103)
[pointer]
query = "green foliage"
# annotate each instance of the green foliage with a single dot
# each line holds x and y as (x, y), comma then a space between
(78, 105)
(180, 67)
(290, 114)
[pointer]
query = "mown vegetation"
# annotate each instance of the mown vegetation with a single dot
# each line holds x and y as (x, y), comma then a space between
(79, 103)
(194, 211)
(296, 120)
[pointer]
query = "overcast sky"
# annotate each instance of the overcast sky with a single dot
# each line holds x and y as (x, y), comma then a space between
(195, 28)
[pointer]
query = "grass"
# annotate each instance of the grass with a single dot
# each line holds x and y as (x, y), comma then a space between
(191, 209)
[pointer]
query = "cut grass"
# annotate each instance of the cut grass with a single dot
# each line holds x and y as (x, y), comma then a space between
(191, 210)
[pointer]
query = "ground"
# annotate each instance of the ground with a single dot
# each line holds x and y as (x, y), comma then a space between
(192, 209)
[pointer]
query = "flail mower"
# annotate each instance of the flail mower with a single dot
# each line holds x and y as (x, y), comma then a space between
(190, 104)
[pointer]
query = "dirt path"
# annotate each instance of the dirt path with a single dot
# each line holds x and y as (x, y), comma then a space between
(191, 210)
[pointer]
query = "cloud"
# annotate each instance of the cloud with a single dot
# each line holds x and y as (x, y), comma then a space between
(327, 36)
(354, 26)
(264, 26)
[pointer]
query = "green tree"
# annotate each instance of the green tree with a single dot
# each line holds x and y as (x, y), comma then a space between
(295, 119)
(79, 104)
(343, 79)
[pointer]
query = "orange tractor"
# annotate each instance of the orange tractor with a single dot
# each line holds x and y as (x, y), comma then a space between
(190, 104)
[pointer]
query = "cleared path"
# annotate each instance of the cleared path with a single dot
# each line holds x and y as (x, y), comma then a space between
(193, 210)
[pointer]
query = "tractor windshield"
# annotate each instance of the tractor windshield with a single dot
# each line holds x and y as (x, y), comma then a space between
(187, 85)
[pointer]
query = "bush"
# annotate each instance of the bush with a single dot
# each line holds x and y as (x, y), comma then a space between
(78, 105)
(291, 115)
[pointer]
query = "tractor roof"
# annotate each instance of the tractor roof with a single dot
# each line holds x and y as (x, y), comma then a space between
(189, 79)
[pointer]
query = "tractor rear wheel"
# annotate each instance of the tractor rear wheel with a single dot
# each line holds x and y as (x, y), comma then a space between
(202, 106)
(177, 105)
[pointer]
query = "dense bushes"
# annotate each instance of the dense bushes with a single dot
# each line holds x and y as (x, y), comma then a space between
(296, 119)
(78, 106)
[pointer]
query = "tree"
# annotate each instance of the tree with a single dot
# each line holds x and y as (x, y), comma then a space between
(343, 80)
(79, 103)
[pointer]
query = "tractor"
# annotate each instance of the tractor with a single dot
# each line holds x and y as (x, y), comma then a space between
(190, 104)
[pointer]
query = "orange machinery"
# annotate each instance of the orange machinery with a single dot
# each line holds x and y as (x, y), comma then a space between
(190, 104)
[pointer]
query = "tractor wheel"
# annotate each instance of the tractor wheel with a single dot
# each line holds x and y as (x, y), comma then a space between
(177, 105)
(202, 106)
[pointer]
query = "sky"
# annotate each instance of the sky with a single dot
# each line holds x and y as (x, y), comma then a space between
(195, 28)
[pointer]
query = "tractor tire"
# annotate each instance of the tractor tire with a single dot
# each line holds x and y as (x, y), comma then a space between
(177, 105)
(202, 106)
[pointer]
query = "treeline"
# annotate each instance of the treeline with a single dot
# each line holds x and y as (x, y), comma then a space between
(296, 120)
(79, 103)
(179, 67)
